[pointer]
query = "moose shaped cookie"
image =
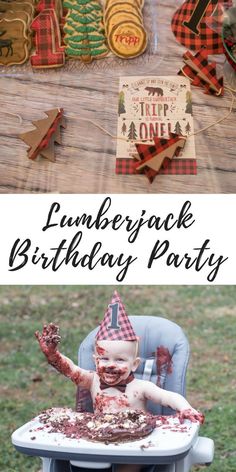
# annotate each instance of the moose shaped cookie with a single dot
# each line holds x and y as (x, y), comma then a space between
(13, 41)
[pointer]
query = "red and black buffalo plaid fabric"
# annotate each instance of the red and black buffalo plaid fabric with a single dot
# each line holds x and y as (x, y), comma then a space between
(209, 69)
(206, 37)
(45, 141)
(147, 151)
(126, 166)
(49, 52)
(119, 329)
(228, 45)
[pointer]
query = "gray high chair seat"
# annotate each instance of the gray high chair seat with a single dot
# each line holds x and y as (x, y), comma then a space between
(154, 333)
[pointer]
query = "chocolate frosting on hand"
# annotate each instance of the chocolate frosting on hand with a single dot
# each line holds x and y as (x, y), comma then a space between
(49, 339)
(192, 415)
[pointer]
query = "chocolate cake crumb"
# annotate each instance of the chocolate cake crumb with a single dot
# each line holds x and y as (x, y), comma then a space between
(119, 427)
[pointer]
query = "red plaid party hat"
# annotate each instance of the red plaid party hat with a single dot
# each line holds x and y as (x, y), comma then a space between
(115, 325)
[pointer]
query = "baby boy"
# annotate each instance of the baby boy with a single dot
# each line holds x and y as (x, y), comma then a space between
(113, 386)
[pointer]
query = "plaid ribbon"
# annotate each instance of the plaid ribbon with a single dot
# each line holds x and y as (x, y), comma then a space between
(121, 386)
(208, 69)
(49, 52)
(206, 37)
(126, 166)
(45, 141)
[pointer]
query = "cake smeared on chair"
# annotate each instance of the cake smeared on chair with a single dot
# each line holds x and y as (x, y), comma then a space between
(119, 399)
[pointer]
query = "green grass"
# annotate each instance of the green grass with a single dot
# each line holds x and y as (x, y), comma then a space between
(28, 384)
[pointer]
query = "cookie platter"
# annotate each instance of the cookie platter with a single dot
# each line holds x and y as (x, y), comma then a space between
(53, 34)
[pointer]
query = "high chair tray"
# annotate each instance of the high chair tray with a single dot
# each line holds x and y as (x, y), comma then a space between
(166, 444)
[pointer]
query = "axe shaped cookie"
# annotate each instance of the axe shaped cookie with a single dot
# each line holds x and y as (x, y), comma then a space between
(202, 73)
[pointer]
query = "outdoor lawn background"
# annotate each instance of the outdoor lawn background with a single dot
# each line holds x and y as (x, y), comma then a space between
(28, 384)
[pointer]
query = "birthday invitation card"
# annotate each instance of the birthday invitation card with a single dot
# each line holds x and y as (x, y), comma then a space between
(154, 106)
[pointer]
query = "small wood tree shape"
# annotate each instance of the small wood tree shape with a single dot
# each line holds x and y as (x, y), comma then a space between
(189, 108)
(151, 157)
(41, 140)
(121, 104)
(178, 129)
(124, 128)
(132, 134)
(84, 31)
(187, 128)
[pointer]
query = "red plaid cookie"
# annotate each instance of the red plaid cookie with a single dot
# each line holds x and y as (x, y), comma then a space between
(49, 52)
(51, 5)
(189, 25)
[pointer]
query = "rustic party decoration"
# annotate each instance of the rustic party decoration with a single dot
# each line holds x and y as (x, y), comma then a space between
(115, 325)
(126, 166)
(201, 72)
(41, 140)
(190, 26)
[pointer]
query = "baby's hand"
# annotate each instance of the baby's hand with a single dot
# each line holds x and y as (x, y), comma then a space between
(49, 339)
(192, 415)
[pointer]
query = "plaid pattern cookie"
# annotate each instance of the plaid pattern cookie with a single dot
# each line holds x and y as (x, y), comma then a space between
(49, 52)
(51, 5)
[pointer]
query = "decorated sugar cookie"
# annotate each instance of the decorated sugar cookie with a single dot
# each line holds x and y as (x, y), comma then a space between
(84, 32)
(119, 17)
(13, 41)
(125, 7)
(127, 39)
(48, 52)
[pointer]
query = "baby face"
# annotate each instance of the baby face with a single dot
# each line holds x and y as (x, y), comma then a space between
(115, 360)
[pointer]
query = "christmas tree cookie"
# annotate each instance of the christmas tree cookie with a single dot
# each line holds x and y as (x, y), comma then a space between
(84, 32)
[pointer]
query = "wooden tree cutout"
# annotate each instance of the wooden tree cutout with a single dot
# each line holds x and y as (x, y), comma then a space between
(201, 72)
(151, 157)
(41, 140)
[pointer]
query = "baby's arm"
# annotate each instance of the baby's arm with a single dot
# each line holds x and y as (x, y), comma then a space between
(48, 342)
(172, 400)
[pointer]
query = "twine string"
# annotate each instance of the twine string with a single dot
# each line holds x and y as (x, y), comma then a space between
(97, 125)
(15, 116)
(227, 88)
(233, 98)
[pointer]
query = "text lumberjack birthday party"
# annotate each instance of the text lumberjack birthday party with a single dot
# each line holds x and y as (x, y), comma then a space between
(71, 251)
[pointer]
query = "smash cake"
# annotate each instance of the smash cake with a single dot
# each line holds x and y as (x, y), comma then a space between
(121, 426)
